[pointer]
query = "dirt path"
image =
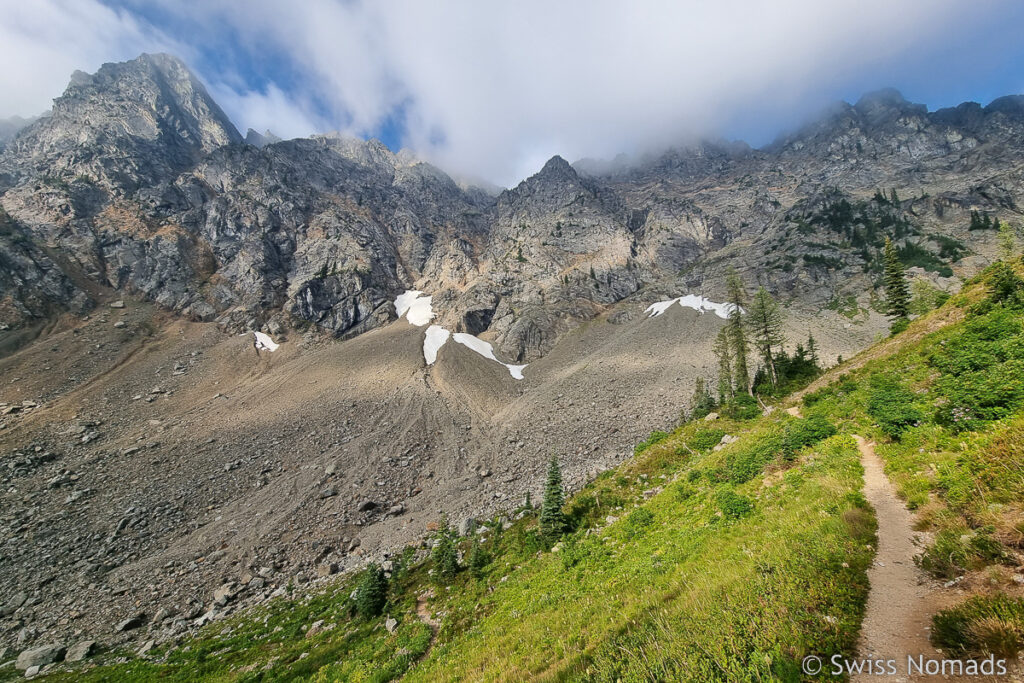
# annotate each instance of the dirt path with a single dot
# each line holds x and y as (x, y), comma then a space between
(901, 601)
(423, 613)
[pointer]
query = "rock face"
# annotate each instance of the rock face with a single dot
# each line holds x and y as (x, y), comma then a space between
(137, 181)
(128, 125)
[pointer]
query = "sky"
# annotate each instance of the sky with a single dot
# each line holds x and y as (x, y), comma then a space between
(489, 91)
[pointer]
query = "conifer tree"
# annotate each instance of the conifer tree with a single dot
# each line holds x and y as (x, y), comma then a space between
(897, 292)
(552, 519)
(1007, 241)
(372, 592)
(723, 353)
(737, 333)
(478, 559)
(445, 555)
(703, 402)
(812, 350)
(765, 323)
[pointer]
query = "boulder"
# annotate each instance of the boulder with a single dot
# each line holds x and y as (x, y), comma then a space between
(80, 651)
(40, 656)
(130, 623)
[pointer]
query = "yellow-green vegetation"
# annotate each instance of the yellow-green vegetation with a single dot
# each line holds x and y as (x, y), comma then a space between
(685, 563)
(699, 559)
(947, 409)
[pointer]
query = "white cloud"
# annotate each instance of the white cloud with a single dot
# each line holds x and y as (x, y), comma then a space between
(491, 90)
(43, 41)
(271, 109)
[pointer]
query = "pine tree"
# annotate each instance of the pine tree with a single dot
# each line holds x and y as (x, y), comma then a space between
(703, 402)
(552, 519)
(812, 350)
(445, 555)
(737, 333)
(478, 559)
(1007, 241)
(765, 323)
(723, 353)
(372, 592)
(897, 292)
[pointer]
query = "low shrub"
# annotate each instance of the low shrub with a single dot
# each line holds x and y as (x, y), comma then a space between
(655, 437)
(705, 439)
(955, 551)
(638, 520)
(746, 462)
(892, 406)
(733, 505)
(983, 624)
(806, 432)
(741, 407)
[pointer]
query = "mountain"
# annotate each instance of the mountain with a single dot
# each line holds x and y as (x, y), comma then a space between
(154, 441)
(153, 193)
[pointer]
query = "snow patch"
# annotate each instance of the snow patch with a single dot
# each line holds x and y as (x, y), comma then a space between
(434, 339)
(264, 342)
(415, 307)
(487, 351)
(697, 303)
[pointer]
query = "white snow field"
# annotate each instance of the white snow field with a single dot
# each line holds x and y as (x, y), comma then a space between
(697, 303)
(417, 309)
(264, 342)
(433, 340)
(487, 351)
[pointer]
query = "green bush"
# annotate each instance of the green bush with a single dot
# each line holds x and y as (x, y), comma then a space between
(638, 520)
(892, 405)
(705, 439)
(745, 463)
(806, 432)
(983, 624)
(655, 437)
(980, 371)
(741, 407)
(899, 325)
(732, 505)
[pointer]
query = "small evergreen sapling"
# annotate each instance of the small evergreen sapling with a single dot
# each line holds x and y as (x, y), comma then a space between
(552, 519)
(445, 555)
(372, 593)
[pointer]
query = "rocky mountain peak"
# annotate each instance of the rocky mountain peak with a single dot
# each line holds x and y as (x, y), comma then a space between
(131, 124)
(1011, 105)
(884, 105)
(556, 166)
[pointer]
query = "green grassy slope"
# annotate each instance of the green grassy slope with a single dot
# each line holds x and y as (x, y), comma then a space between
(691, 563)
